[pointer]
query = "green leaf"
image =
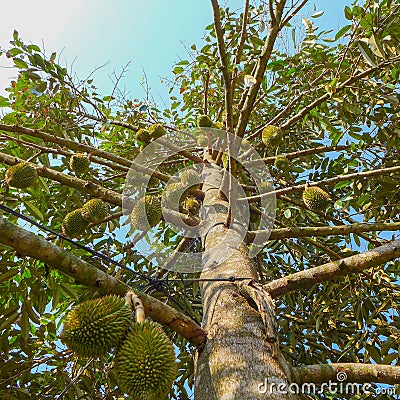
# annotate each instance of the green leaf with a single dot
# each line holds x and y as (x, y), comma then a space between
(33, 209)
(342, 184)
(317, 14)
(178, 70)
(367, 53)
(374, 353)
(20, 63)
(24, 323)
(348, 13)
(376, 46)
(342, 32)
(7, 276)
(4, 102)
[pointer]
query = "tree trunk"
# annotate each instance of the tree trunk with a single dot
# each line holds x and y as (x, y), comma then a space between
(241, 359)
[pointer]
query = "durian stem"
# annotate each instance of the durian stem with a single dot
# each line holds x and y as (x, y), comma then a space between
(131, 299)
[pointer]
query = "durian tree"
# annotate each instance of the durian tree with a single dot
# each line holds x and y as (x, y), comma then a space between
(297, 277)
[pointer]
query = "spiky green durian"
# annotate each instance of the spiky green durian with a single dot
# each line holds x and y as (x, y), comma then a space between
(281, 162)
(192, 206)
(146, 213)
(271, 135)
(174, 194)
(21, 175)
(145, 363)
(204, 121)
(74, 223)
(157, 131)
(191, 179)
(95, 210)
(94, 327)
(315, 198)
(79, 163)
(143, 135)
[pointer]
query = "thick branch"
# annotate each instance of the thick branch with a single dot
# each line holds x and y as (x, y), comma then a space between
(330, 181)
(90, 187)
(298, 232)
(243, 31)
(107, 195)
(219, 32)
(340, 87)
(334, 270)
(70, 144)
(249, 96)
(43, 149)
(356, 373)
(296, 154)
(27, 244)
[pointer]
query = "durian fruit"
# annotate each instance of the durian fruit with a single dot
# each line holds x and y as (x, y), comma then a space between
(192, 206)
(147, 211)
(191, 179)
(21, 175)
(271, 135)
(143, 135)
(95, 210)
(204, 121)
(157, 131)
(174, 194)
(315, 198)
(145, 363)
(202, 141)
(94, 327)
(74, 223)
(281, 162)
(79, 163)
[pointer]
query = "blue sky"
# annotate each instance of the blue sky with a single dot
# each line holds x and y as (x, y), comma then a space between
(150, 34)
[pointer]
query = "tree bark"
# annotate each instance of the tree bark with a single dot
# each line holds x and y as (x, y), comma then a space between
(241, 358)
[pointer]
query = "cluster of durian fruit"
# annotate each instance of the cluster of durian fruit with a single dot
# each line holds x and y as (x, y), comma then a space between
(147, 212)
(75, 222)
(144, 357)
(178, 193)
(145, 136)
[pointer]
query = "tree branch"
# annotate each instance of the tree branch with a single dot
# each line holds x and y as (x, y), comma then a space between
(296, 154)
(82, 185)
(83, 148)
(242, 39)
(356, 373)
(293, 14)
(334, 270)
(97, 160)
(249, 96)
(340, 87)
(299, 232)
(224, 64)
(27, 244)
(96, 190)
(330, 181)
